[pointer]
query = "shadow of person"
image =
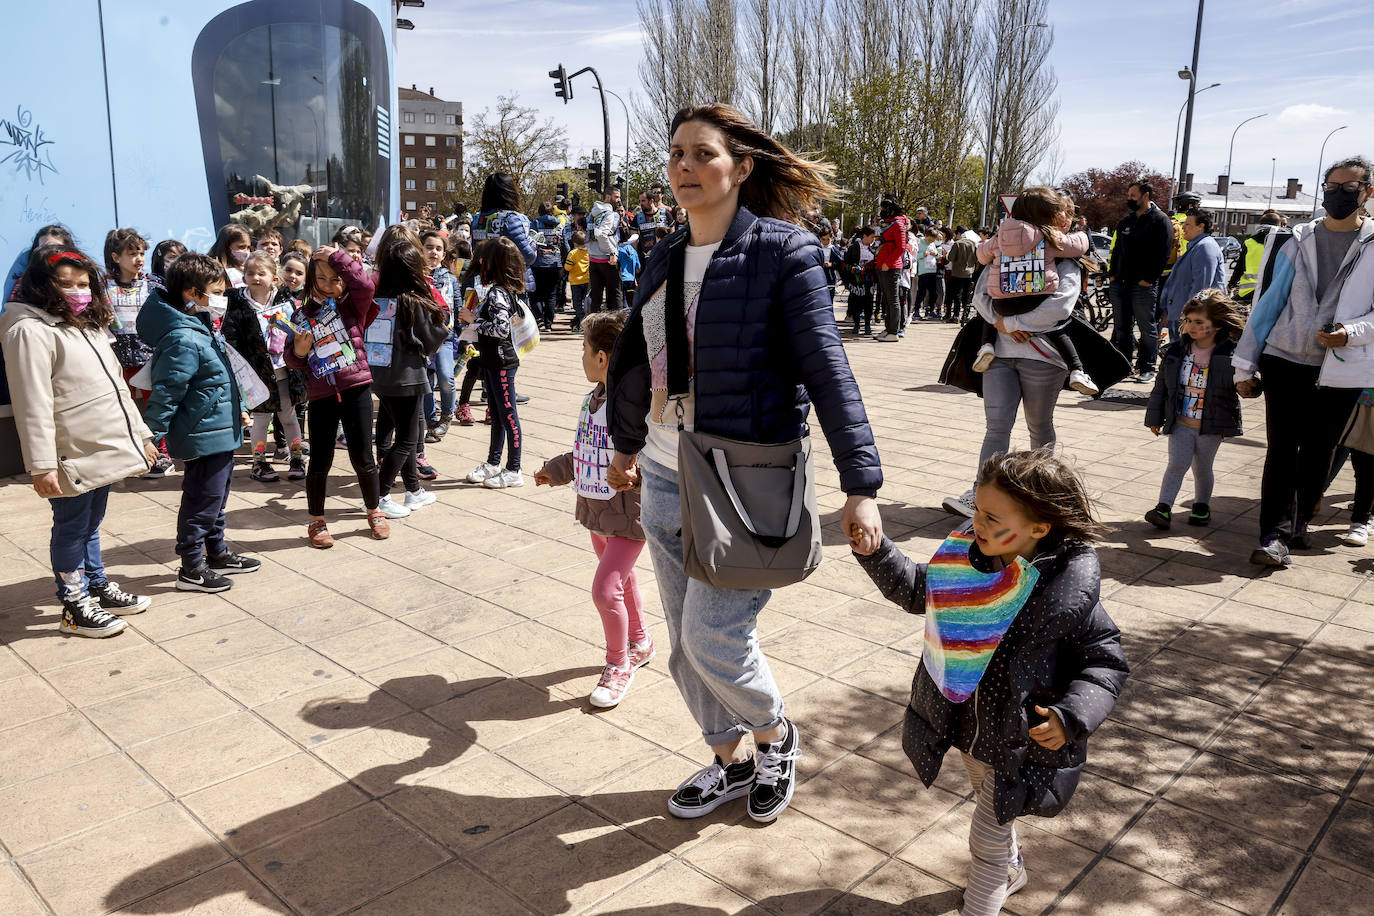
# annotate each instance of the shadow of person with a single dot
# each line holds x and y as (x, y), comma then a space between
(322, 853)
(935, 903)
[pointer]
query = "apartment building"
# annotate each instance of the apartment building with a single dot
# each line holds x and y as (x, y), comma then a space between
(431, 149)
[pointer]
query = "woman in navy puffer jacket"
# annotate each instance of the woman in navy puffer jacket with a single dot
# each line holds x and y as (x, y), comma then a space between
(763, 342)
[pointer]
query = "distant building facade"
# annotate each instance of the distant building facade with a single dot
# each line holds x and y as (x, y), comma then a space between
(1246, 202)
(431, 150)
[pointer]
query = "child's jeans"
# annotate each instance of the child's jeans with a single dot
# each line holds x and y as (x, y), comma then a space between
(992, 846)
(615, 591)
(579, 298)
(505, 419)
(75, 545)
(1188, 447)
(442, 364)
(204, 494)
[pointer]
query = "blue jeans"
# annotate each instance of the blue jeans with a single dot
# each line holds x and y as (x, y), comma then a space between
(75, 545)
(1133, 306)
(204, 494)
(1007, 385)
(716, 662)
(442, 364)
(579, 298)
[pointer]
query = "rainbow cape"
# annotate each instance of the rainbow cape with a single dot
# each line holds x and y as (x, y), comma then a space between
(967, 614)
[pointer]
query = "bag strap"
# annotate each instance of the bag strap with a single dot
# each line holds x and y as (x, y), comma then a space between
(793, 513)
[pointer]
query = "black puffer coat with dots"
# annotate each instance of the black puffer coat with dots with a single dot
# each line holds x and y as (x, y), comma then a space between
(1062, 652)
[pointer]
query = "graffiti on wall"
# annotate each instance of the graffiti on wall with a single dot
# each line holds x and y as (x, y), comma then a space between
(31, 152)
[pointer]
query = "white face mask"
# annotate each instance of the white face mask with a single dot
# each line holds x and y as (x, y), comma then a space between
(215, 306)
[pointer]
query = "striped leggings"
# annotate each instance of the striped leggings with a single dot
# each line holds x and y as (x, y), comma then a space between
(992, 847)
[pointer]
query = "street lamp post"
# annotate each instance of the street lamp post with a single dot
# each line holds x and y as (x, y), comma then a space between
(1273, 170)
(627, 128)
(1192, 81)
(992, 119)
(1226, 208)
(1176, 180)
(1321, 157)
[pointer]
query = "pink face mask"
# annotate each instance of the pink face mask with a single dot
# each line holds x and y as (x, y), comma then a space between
(77, 300)
(240, 255)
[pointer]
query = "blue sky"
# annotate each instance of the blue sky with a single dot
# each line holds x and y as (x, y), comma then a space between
(1297, 61)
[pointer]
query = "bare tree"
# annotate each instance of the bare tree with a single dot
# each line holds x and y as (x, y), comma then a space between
(947, 41)
(514, 141)
(1051, 166)
(714, 47)
(1024, 120)
(669, 83)
(764, 27)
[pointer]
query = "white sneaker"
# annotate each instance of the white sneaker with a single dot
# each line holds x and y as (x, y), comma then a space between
(419, 499)
(1016, 874)
(1079, 381)
(482, 472)
(392, 509)
(611, 689)
(983, 361)
(502, 479)
(960, 505)
(1357, 536)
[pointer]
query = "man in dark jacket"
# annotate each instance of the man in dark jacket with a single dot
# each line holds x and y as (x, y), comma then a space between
(1144, 240)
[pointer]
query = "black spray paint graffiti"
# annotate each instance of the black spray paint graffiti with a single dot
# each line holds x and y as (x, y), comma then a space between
(31, 154)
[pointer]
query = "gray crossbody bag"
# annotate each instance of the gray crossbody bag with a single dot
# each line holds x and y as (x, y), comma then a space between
(749, 516)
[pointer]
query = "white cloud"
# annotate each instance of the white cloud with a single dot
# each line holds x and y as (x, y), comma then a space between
(1307, 113)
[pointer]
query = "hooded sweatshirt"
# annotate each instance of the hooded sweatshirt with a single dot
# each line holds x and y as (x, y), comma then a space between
(1015, 239)
(603, 231)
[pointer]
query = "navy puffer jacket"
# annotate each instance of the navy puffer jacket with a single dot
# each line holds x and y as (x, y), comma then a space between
(766, 347)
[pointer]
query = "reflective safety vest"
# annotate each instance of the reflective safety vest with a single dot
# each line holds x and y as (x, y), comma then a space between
(1180, 240)
(1254, 255)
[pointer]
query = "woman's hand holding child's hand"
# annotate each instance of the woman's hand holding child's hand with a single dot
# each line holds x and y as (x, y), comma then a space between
(1155, 429)
(1248, 388)
(150, 453)
(622, 474)
(1050, 733)
(862, 524)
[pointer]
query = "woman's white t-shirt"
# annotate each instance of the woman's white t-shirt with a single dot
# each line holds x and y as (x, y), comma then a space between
(661, 444)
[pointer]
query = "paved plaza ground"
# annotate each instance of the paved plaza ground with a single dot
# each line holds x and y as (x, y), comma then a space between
(401, 727)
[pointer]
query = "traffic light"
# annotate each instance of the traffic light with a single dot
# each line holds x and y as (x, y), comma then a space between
(594, 176)
(563, 190)
(561, 87)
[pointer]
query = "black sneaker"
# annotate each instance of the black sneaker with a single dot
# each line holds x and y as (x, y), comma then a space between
(114, 599)
(1302, 538)
(1201, 516)
(775, 771)
(231, 564)
(710, 787)
(426, 471)
(1160, 516)
(159, 468)
(201, 578)
(84, 617)
(1271, 552)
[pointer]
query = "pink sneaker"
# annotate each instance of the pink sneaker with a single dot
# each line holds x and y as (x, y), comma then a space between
(611, 689)
(641, 653)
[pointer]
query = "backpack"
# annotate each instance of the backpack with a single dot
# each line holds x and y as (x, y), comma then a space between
(1023, 275)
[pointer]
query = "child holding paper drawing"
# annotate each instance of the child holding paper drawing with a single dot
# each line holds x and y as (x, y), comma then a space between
(257, 326)
(328, 348)
(195, 403)
(502, 269)
(612, 518)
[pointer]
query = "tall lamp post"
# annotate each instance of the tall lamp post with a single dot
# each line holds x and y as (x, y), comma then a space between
(1321, 157)
(626, 164)
(1191, 77)
(1226, 208)
(1273, 170)
(992, 119)
(1176, 180)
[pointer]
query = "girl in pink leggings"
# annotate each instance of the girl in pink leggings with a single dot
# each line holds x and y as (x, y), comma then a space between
(611, 517)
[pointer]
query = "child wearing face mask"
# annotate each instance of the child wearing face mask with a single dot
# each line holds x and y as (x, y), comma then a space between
(1020, 662)
(195, 403)
(232, 247)
(160, 261)
(257, 326)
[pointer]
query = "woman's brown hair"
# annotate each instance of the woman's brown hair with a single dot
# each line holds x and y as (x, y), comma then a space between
(782, 184)
(401, 275)
(1220, 309)
(1040, 206)
(229, 235)
(499, 264)
(1046, 489)
(38, 287)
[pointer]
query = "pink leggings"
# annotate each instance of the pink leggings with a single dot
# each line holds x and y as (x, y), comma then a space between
(615, 591)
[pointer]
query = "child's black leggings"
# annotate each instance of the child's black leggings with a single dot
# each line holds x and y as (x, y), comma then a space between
(353, 408)
(470, 378)
(505, 419)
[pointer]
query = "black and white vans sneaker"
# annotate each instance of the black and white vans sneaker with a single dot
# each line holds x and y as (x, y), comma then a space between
(775, 775)
(231, 564)
(201, 578)
(84, 617)
(710, 787)
(114, 599)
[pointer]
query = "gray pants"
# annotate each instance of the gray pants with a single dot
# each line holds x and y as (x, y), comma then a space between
(992, 846)
(1010, 383)
(1187, 447)
(717, 663)
(891, 303)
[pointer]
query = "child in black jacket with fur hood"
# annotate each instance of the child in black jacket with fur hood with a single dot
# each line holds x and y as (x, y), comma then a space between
(1020, 662)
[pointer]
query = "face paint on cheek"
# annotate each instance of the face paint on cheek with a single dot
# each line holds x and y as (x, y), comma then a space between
(1004, 537)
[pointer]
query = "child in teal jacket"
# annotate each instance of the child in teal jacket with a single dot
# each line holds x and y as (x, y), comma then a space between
(195, 404)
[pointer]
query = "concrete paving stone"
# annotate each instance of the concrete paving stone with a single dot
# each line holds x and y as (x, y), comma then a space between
(375, 646)
(45, 649)
(1121, 890)
(314, 621)
(225, 645)
(1276, 594)
(161, 710)
(47, 746)
(1352, 643)
(164, 622)
(1318, 668)
(460, 619)
(17, 897)
(10, 665)
(584, 857)
(330, 710)
(434, 677)
(97, 679)
(817, 648)
(1168, 712)
(582, 754)
(1234, 647)
(209, 753)
(1350, 838)
(394, 753)
(39, 812)
(28, 698)
(877, 621)
(123, 861)
(1230, 865)
(1274, 807)
(451, 889)
(675, 889)
(344, 862)
(654, 711)
(1276, 747)
(1096, 813)
(869, 802)
(260, 680)
(1135, 758)
(1264, 623)
(899, 888)
(527, 647)
(841, 714)
(503, 712)
(1326, 888)
(1336, 715)
(1355, 614)
(1198, 676)
(229, 890)
(268, 803)
(789, 677)
(538, 596)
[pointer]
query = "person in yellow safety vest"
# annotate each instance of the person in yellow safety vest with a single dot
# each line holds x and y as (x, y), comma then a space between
(1245, 276)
